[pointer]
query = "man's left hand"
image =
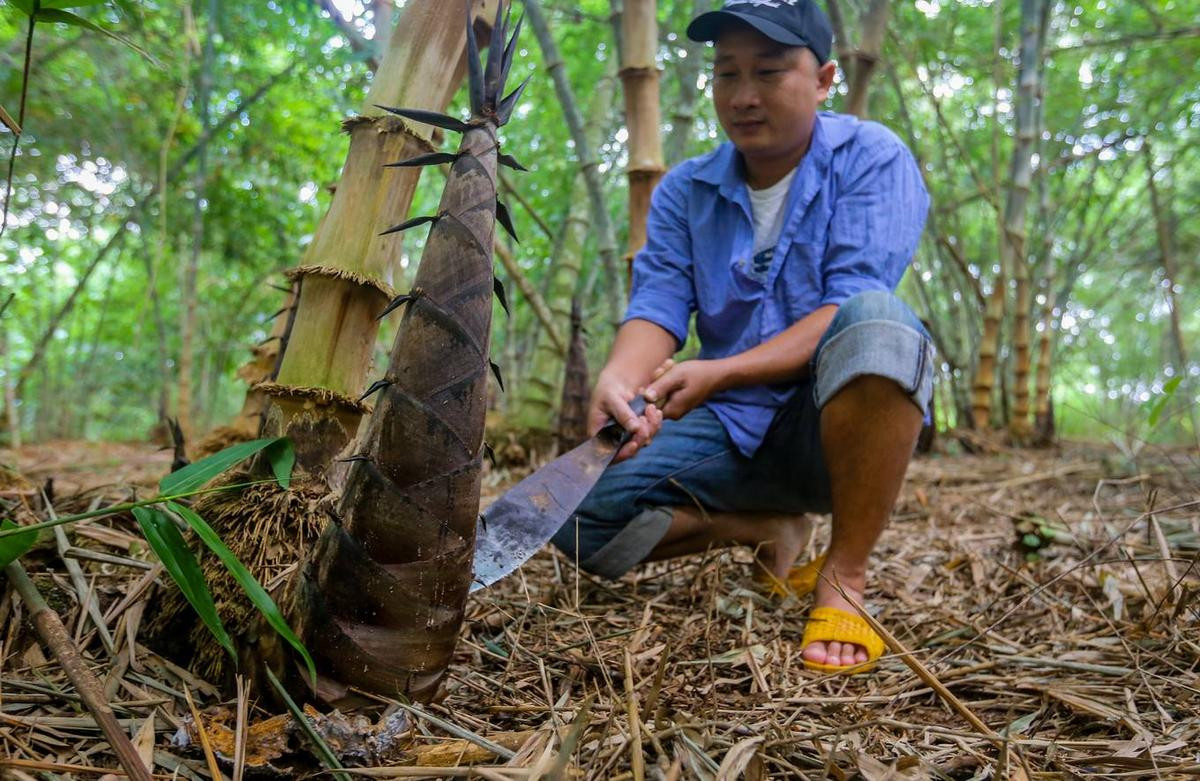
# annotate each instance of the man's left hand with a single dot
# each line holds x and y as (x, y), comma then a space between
(678, 388)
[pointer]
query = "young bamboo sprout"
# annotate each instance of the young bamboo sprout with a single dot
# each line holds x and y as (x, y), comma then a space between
(383, 594)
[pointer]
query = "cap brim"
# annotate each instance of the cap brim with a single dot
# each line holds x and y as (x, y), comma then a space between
(708, 27)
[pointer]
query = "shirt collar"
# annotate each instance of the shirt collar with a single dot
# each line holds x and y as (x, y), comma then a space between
(722, 167)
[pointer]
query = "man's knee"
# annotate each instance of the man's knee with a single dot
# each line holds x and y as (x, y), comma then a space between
(875, 333)
(610, 547)
(603, 514)
(873, 305)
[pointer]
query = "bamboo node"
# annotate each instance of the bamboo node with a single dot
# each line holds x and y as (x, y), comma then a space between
(646, 171)
(639, 72)
(388, 124)
(316, 396)
(333, 272)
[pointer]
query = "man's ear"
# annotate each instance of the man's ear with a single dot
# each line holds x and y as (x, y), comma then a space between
(825, 74)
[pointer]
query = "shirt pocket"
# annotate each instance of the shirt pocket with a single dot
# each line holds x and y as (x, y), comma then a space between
(800, 278)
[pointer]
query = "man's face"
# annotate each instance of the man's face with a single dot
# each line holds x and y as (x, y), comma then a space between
(766, 94)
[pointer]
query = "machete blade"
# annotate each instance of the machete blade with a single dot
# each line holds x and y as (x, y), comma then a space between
(524, 519)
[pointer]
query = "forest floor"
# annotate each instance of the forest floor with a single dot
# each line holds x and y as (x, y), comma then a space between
(1045, 606)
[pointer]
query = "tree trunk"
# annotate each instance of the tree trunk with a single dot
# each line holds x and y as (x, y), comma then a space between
(1044, 433)
(187, 288)
(589, 160)
(10, 390)
(688, 70)
(1029, 89)
(639, 75)
(1034, 18)
(873, 29)
(1166, 253)
(407, 510)
(572, 419)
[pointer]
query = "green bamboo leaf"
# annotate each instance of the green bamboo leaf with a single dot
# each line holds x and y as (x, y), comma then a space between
(1168, 391)
(27, 7)
(282, 457)
(324, 752)
(179, 562)
(258, 595)
(14, 547)
(197, 474)
(66, 17)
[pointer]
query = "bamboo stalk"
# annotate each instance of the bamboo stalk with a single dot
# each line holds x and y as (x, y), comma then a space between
(541, 309)
(349, 266)
(191, 269)
(866, 57)
(688, 70)
(10, 391)
(639, 75)
(1166, 253)
(1034, 18)
(50, 628)
(1029, 89)
(542, 385)
(1043, 414)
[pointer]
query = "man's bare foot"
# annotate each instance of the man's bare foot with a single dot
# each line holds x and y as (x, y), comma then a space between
(826, 595)
(784, 544)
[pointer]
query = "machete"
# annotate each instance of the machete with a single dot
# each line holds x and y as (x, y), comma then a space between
(524, 519)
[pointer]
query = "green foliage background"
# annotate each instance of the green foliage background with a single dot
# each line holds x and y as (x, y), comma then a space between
(98, 114)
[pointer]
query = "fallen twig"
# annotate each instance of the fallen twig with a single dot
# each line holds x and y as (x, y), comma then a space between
(50, 628)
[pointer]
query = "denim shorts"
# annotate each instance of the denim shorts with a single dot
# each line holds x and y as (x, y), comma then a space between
(692, 461)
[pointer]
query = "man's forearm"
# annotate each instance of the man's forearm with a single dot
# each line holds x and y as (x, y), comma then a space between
(782, 358)
(639, 349)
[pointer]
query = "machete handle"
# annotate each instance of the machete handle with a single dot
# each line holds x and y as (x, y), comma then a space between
(613, 430)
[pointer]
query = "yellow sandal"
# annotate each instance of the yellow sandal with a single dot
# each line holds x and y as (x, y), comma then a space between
(800, 582)
(829, 624)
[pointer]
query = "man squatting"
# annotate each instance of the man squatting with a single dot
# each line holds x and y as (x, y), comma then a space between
(812, 380)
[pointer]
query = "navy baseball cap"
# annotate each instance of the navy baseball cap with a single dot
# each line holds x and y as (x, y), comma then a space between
(790, 22)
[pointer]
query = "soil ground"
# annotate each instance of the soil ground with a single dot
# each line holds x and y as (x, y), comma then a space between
(1045, 607)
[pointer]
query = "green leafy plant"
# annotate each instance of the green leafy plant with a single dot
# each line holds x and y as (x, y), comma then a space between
(179, 562)
(177, 557)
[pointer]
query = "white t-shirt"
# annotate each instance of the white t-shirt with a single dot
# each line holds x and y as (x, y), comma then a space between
(767, 206)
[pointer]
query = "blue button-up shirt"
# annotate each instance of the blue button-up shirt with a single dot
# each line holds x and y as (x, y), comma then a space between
(855, 211)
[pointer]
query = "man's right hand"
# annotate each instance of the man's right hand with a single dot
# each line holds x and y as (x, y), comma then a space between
(610, 401)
